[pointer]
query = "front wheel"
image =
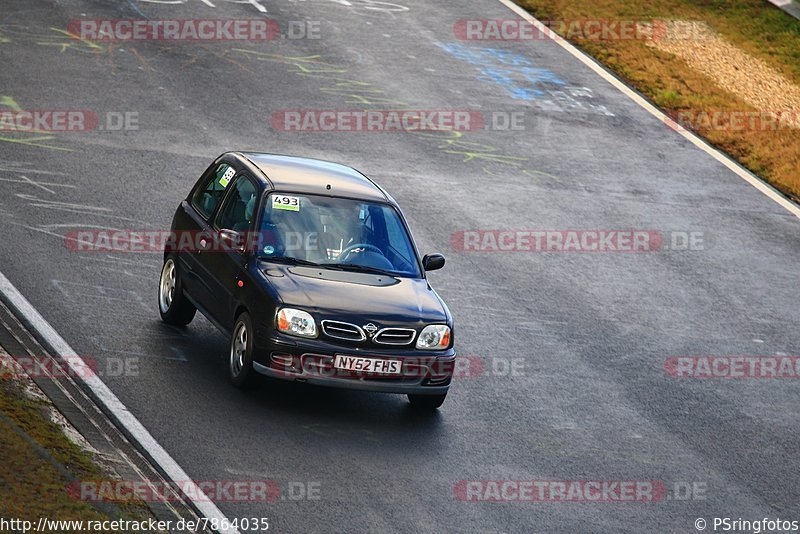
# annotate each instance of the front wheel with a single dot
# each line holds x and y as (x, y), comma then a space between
(240, 366)
(426, 402)
(174, 307)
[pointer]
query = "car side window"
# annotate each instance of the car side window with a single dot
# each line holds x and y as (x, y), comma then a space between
(208, 195)
(239, 206)
(398, 240)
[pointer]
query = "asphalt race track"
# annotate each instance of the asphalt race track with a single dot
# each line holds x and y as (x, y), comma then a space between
(566, 350)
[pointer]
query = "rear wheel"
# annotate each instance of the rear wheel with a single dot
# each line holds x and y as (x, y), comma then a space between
(240, 365)
(173, 305)
(426, 402)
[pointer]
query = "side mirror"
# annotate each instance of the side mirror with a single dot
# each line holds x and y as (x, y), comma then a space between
(431, 262)
(232, 240)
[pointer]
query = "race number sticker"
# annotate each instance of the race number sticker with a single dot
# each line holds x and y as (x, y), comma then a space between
(226, 178)
(283, 202)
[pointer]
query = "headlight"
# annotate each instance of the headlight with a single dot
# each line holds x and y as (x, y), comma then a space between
(296, 323)
(433, 337)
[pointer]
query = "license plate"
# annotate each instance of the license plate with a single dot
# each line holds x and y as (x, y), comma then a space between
(367, 365)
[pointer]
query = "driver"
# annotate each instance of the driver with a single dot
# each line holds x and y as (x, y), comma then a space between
(361, 247)
(340, 229)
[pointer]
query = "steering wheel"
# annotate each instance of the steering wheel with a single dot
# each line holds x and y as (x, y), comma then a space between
(343, 254)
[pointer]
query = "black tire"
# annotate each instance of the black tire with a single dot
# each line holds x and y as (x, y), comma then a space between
(426, 402)
(240, 356)
(174, 307)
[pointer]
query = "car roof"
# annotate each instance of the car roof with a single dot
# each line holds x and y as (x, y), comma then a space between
(313, 176)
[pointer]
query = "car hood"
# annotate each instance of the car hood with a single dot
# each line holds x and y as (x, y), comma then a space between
(357, 297)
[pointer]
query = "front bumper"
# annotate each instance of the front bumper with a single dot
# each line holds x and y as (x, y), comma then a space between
(311, 361)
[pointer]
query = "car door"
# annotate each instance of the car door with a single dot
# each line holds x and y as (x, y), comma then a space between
(193, 228)
(223, 265)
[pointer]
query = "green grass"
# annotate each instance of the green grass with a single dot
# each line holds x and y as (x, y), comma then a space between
(35, 469)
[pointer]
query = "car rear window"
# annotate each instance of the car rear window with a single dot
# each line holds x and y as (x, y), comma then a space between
(207, 197)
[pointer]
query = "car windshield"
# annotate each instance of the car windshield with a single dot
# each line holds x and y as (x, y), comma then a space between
(337, 233)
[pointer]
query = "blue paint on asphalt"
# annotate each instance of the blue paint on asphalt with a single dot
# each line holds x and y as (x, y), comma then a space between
(136, 8)
(513, 72)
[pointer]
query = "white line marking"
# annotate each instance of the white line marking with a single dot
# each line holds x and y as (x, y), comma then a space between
(11, 166)
(108, 258)
(168, 465)
(43, 202)
(27, 180)
(80, 225)
(253, 3)
(743, 173)
(47, 232)
(123, 272)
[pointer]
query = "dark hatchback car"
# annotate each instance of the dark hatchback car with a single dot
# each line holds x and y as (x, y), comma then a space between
(311, 270)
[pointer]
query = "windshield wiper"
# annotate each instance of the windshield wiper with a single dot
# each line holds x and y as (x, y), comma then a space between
(290, 261)
(335, 266)
(356, 267)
